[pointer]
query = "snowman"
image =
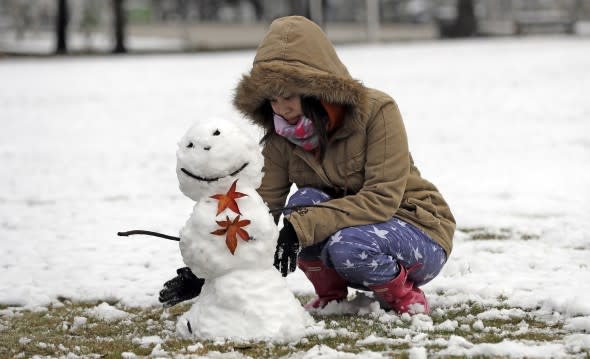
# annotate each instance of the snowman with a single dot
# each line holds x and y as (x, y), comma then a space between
(229, 241)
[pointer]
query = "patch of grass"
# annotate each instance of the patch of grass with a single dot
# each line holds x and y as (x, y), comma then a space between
(59, 330)
(467, 309)
(528, 236)
(470, 229)
(51, 333)
(6, 306)
(482, 234)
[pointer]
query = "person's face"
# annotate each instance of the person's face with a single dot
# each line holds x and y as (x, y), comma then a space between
(288, 108)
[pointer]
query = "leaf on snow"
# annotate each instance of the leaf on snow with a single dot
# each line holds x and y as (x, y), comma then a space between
(228, 200)
(232, 229)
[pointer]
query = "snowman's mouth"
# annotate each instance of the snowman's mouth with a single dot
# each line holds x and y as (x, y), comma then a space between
(212, 179)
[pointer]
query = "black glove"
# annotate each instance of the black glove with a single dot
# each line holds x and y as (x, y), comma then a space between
(287, 249)
(183, 287)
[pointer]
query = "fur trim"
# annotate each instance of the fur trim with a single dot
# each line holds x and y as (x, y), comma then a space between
(293, 78)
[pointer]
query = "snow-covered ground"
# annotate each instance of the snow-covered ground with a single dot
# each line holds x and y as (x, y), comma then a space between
(502, 127)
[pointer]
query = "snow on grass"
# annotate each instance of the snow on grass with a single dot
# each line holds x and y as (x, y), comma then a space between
(578, 323)
(460, 347)
(87, 149)
(150, 332)
(107, 313)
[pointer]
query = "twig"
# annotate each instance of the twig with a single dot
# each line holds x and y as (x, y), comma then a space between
(148, 233)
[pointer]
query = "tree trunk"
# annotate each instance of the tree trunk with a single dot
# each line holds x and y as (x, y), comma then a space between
(463, 25)
(466, 24)
(119, 26)
(300, 7)
(61, 27)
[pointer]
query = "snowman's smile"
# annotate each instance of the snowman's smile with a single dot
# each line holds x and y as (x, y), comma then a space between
(212, 179)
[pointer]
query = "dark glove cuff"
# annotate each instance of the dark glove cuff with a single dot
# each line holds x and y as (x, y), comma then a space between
(288, 231)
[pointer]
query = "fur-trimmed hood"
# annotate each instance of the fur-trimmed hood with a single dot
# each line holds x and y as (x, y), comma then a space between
(296, 58)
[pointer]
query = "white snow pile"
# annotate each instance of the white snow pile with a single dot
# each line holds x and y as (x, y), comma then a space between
(105, 312)
(229, 241)
(324, 351)
(458, 346)
(78, 322)
(147, 341)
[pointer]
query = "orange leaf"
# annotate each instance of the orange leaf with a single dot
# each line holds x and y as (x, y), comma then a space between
(243, 234)
(232, 229)
(219, 232)
(228, 200)
(231, 243)
(224, 223)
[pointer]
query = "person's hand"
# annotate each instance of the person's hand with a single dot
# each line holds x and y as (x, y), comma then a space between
(287, 249)
(183, 287)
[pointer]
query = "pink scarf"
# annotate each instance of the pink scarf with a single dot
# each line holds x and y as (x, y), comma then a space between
(302, 133)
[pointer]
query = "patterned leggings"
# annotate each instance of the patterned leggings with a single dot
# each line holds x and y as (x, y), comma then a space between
(370, 254)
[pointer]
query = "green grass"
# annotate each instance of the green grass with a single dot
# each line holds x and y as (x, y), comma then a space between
(51, 332)
(482, 234)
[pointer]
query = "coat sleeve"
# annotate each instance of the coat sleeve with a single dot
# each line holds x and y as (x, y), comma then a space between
(387, 168)
(275, 184)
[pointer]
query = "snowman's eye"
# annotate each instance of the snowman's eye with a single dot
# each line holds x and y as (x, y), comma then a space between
(190, 145)
(216, 133)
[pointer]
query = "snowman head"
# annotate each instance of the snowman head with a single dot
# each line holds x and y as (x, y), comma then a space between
(213, 154)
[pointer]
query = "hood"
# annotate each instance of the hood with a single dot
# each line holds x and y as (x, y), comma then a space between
(296, 58)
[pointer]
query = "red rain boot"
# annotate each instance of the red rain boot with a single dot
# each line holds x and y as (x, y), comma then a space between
(401, 294)
(328, 284)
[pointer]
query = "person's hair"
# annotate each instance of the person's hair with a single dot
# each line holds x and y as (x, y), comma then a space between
(313, 109)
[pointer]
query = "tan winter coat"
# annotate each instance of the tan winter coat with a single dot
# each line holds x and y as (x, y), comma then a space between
(367, 156)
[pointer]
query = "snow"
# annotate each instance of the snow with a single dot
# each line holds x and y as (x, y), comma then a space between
(577, 342)
(87, 149)
(104, 312)
(158, 352)
(325, 351)
(510, 349)
(195, 347)
(78, 322)
(24, 340)
(44, 43)
(417, 353)
(448, 325)
(502, 314)
(147, 341)
(578, 323)
(373, 339)
(478, 325)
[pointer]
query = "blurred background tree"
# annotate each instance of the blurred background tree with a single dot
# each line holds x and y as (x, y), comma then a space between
(464, 24)
(61, 27)
(119, 26)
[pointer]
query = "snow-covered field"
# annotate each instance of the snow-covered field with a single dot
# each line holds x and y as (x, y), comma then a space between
(502, 127)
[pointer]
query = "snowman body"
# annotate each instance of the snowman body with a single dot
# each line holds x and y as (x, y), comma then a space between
(229, 241)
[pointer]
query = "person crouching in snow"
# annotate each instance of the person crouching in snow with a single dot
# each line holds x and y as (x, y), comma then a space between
(362, 215)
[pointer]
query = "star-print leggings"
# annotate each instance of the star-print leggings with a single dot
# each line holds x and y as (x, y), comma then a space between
(370, 254)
